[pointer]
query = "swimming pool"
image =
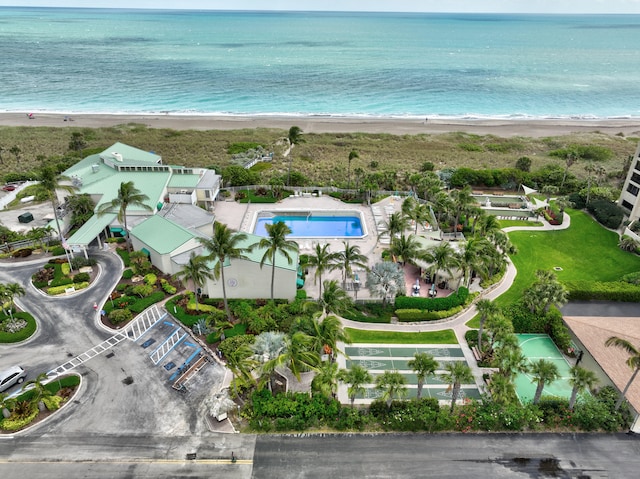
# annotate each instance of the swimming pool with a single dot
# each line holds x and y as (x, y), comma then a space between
(313, 224)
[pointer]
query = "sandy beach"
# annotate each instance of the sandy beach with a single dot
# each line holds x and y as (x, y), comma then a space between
(311, 124)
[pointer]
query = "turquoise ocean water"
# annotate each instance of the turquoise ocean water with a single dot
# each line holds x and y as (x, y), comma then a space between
(342, 64)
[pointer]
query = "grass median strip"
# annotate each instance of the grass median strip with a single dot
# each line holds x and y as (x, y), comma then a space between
(446, 336)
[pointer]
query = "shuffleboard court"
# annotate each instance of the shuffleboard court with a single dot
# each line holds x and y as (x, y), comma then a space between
(378, 358)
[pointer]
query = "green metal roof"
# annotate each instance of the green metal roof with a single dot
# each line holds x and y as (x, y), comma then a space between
(162, 235)
(88, 232)
(184, 181)
(149, 183)
(130, 153)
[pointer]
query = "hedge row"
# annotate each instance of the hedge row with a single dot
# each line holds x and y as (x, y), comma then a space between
(605, 291)
(140, 305)
(61, 289)
(433, 304)
(422, 315)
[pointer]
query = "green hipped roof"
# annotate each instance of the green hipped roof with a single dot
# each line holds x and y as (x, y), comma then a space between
(163, 235)
(184, 181)
(132, 154)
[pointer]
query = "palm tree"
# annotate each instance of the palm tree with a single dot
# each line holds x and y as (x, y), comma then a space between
(241, 362)
(485, 308)
(461, 200)
(456, 373)
(358, 172)
(423, 365)
(488, 224)
(356, 378)
(323, 260)
(633, 362)
(196, 271)
(295, 135)
(627, 243)
(40, 391)
(392, 384)
(580, 380)
(326, 334)
(502, 390)
(544, 292)
(51, 182)
(224, 246)
(442, 258)
(13, 290)
(510, 360)
(326, 379)
(542, 372)
(352, 156)
(406, 248)
(395, 225)
(276, 243)
(475, 257)
(82, 208)
(128, 195)
(298, 355)
(349, 258)
(334, 299)
(571, 156)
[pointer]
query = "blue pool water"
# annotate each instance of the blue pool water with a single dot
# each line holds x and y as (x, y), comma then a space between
(315, 226)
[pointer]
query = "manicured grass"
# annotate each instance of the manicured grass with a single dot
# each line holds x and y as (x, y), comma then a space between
(584, 251)
(21, 335)
(390, 337)
(508, 223)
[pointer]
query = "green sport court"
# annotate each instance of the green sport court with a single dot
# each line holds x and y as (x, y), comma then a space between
(541, 346)
(378, 358)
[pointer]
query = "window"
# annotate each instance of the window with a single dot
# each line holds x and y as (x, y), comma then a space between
(627, 205)
(635, 178)
(633, 189)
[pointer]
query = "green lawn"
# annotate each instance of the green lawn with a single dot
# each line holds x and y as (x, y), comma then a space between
(509, 223)
(584, 251)
(390, 337)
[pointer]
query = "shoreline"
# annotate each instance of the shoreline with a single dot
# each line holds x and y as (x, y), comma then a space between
(318, 124)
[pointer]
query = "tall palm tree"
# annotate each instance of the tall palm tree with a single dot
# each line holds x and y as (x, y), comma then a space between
(51, 182)
(406, 248)
(356, 378)
(350, 257)
(323, 260)
(40, 391)
(461, 201)
(13, 290)
(128, 195)
(326, 379)
(327, 333)
(544, 292)
(475, 256)
(456, 373)
(580, 380)
(424, 365)
(196, 271)
(485, 308)
(295, 135)
(633, 362)
(442, 258)
(297, 355)
(415, 211)
(510, 360)
(224, 246)
(488, 224)
(334, 299)
(276, 243)
(82, 208)
(542, 373)
(502, 390)
(352, 156)
(395, 225)
(392, 384)
(241, 362)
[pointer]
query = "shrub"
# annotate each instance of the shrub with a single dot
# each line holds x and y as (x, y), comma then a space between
(301, 294)
(606, 213)
(61, 289)
(65, 269)
(167, 287)
(127, 273)
(81, 278)
(61, 281)
(423, 315)
(151, 279)
(231, 344)
(22, 252)
(124, 255)
(142, 304)
(57, 251)
(433, 304)
(14, 424)
(142, 290)
(120, 316)
(604, 291)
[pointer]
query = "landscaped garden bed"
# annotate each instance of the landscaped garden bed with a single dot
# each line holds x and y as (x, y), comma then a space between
(36, 404)
(57, 277)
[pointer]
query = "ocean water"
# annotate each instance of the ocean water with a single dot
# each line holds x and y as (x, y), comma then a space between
(334, 64)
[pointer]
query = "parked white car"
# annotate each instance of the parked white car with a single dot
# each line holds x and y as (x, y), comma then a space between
(13, 375)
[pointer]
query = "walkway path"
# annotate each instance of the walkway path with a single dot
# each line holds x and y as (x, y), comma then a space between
(458, 323)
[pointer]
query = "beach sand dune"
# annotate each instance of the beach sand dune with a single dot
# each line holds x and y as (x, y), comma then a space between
(311, 124)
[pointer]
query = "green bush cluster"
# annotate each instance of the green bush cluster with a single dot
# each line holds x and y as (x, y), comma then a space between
(142, 290)
(81, 278)
(167, 287)
(140, 305)
(231, 344)
(60, 281)
(120, 316)
(61, 289)
(603, 291)
(433, 304)
(24, 333)
(422, 315)
(124, 255)
(57, 251)
(19, 422)
(237, 330)
(370, 313)
(65, 269)
(607, 213)
(151, 279)
(127, 273)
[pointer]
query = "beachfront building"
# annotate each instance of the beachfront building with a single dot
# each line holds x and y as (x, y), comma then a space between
(181, 203)
(630, 196)
(101, 175)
